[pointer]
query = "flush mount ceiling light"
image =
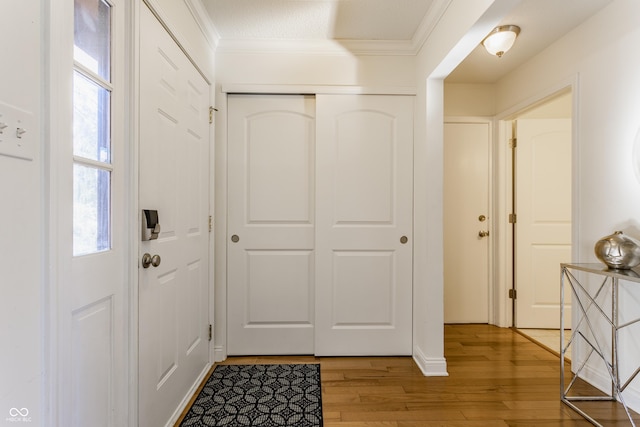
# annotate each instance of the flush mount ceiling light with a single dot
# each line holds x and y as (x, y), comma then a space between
(501, 39)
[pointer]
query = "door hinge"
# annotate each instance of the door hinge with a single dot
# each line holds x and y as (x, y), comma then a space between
(210, 332)
(211, 110)
(210, 223)
(513, 142)
(512, 294)
(512, 218)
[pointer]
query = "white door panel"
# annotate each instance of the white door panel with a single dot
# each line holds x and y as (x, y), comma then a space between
(543, 228)
(365, 191)
(174, 174)
(271, 206)
(466, 198)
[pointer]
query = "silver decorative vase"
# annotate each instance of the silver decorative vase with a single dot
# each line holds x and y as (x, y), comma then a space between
(618, 251)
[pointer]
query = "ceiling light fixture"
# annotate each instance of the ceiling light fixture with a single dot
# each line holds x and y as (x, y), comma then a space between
(501, 39)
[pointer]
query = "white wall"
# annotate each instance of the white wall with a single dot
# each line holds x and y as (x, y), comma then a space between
(469, 100)
(338, 67)
(459, 31)
(21, 219)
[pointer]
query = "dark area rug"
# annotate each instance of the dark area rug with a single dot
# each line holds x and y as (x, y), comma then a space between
(259, 395)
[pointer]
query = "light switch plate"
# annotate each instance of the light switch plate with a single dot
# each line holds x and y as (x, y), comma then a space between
(18, 139)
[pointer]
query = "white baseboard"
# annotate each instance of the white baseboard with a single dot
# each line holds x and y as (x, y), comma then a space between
(219, 354)
(430, 366)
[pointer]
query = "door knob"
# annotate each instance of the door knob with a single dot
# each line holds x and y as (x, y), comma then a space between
(235, 238)
(148, 260)
(483, 233)
(155, 260)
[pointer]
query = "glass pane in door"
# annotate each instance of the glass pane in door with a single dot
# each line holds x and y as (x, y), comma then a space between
(91, 124)
(92, 36)
(91, 209)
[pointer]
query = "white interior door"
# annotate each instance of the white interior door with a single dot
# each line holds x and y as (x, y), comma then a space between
(466, 215)
(174, 180)
(364, 225)
(271, 224)
(543, 227)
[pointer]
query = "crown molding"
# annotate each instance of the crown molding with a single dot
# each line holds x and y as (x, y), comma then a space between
(317, 47)
(429, 23)
(201, 16)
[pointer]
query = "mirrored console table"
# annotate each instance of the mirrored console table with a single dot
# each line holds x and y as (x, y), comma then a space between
(597, 305)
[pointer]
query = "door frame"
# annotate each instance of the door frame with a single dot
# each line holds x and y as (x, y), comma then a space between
(221, 191)
(504, 277)
(493, 294)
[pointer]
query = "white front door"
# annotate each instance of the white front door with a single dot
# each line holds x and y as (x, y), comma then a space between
(271, 224)
(543, 227)
(364, 225)
(466, 215)
(92, 245)
(174, 180)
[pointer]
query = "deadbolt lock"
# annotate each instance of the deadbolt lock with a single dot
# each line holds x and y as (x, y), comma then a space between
(482, 218)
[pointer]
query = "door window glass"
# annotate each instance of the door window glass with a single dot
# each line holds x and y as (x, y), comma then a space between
(92, 88)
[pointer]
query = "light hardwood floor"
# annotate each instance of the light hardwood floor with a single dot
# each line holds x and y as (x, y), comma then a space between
(549, 338)
(497, 377)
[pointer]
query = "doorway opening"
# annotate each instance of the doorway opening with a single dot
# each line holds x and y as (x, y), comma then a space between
(541, 220)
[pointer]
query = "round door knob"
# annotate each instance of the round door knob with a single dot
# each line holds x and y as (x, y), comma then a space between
(155, 260)
(483, 233)
(404, 239)
(146, 260)
(235, 238)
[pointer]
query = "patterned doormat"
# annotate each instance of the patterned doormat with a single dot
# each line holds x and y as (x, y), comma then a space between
(259, 395)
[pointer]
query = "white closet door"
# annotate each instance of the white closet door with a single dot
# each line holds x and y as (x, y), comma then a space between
(271, 204)
(364, 225)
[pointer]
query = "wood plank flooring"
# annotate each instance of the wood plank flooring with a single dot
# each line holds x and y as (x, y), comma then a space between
(497, 378)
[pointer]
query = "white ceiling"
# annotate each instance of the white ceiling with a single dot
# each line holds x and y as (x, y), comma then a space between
(401, 21)
(541, 22)
(317, 19)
